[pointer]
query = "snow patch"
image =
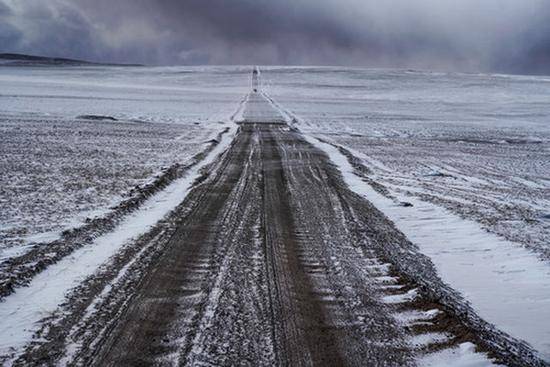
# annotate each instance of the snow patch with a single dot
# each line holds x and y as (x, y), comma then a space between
(21, 312)
(411, 317)
(400, 298)
(423, 340)
(506, 284)
(462, 356)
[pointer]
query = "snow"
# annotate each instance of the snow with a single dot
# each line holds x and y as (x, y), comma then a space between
(490, 133)
(61, 170)
(181, 95)
(411, 317)
(423, 340)
(455, 146)
(470, 152)
(462, 356)
(505, 283)
(21, 312)
(400, 298)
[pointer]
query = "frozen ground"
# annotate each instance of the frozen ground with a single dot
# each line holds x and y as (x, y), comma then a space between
(505, 283)
(478, 145)
(58, 173)
(162, 94)
(21, 311)
(265, 208)
(76, 141)
(440, 158)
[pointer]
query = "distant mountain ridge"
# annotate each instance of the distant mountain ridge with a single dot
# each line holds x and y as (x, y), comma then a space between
(14, 59)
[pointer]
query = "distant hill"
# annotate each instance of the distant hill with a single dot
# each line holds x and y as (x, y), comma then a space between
(11, 59)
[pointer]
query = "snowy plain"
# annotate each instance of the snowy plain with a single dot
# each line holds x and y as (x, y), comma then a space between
(469, 152)
(76, 141)
(507, 285)
(20, 314)
(478, 145)
(441, 142)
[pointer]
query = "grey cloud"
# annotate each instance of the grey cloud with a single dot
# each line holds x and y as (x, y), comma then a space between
(10, 36)
(482, 35)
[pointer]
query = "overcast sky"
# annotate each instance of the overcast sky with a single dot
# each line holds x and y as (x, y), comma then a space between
(468, 35)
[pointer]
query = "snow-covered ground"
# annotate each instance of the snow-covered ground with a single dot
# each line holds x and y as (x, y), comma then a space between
(462, 356)
(494, 285)
(478, 145)
(77, 140)
(506, 284)
(469, 154)
(184, 95)
(468, 186)
(21, 313)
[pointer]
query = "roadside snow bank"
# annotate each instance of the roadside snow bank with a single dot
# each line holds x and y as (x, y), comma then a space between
(21, 312)
(506, 284)
(462, 356)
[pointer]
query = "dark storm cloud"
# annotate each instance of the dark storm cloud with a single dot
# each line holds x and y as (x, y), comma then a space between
(9, 35)
(500, 35)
